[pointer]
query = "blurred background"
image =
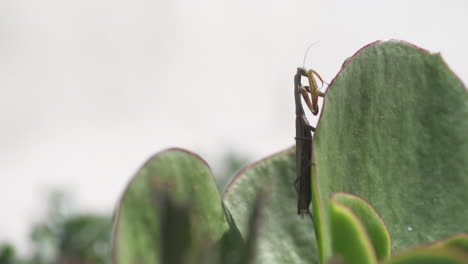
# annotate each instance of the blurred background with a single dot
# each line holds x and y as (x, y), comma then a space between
(90, 89)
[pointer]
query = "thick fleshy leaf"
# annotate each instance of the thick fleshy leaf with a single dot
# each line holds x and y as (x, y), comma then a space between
(394, 130)
(430, 256)
(458, 241)
(283, 236)
(350, 242)
(450, 250)
(255, 221)
(174, 192)
(374, 226)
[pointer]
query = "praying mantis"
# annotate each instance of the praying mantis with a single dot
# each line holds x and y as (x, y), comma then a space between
(304, 136)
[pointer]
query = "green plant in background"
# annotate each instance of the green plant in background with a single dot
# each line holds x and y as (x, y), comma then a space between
(231, 163)
(68, 236)
(7, 254)
(65, 237)
(389, 180)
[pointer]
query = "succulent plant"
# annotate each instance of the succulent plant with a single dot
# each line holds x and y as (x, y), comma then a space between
(389, 180)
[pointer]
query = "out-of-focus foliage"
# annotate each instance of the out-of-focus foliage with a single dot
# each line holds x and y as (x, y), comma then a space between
(7, 254)
(65, 237)
(232, 163)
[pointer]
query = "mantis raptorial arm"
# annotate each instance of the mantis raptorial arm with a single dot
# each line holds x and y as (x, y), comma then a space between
(305, 95)
(312, 100)
(310, 72)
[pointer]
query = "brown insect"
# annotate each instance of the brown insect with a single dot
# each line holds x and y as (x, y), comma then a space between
(304, 136)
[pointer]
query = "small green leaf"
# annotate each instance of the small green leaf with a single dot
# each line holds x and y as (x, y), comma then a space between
(370, 220)
(350, 242)
(458, 241)
(429, 256)
(451, 250)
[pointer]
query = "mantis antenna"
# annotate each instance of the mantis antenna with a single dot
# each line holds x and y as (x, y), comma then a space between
(307, 51)
(304, 60)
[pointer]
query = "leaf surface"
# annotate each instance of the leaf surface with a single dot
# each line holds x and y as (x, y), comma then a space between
(394, 130)
(174, 192)
(283, 236)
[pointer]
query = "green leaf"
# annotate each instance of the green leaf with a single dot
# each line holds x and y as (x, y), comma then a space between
(176, 219)
(7, 254)
(451, 250)
(424, 255)
(174, 184)
(394, 130)
(255, 221)
(458, 241)
(350, 242)
(283, 236)
(374, 226)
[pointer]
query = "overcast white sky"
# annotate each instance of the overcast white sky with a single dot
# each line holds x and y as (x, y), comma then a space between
(90, 88)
